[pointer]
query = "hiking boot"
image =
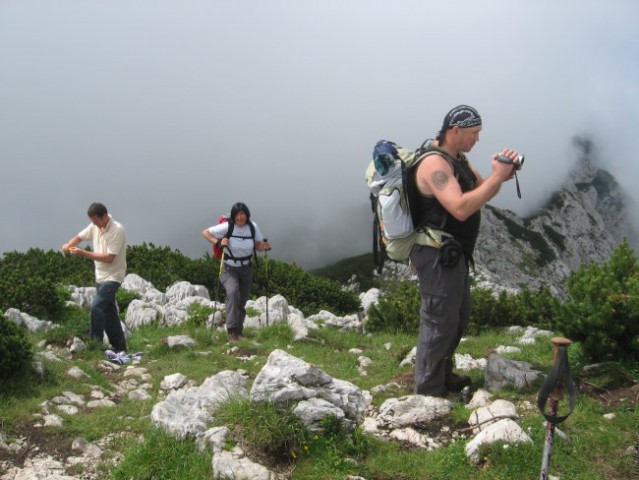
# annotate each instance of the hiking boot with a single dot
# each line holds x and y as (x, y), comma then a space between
(233, 336)
(443, 393)
(456, 383)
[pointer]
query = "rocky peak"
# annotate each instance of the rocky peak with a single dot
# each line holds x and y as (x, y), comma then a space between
(583, 222)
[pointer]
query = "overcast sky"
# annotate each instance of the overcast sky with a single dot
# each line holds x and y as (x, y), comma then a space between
(168, 112)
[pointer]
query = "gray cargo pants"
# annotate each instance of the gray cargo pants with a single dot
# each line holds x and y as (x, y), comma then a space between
(237, 282)
(444, 315)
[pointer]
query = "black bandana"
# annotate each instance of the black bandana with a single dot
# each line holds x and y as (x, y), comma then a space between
(462, 116)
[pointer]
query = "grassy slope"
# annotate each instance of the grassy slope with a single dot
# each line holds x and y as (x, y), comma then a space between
(595, 451)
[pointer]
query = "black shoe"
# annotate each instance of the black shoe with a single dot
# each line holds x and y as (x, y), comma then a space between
(443, 393)
(456, 383)
(233, 336)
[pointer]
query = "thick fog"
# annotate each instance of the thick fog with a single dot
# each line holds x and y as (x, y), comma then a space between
(168, 112)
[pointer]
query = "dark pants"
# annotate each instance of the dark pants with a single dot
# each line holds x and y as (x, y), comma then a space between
(104, 317)
(237, 282)
(444, 315)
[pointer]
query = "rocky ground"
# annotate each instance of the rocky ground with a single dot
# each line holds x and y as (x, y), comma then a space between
(33, 452)
(37, 453)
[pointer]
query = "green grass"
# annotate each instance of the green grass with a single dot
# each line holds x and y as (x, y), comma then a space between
(161, 456)
(275, 437)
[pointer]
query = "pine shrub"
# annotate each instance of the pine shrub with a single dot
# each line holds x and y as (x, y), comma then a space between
(301, 289)
(36, 295)
(15, 349)
(492, 309)
(162, 266)
(602, 312)
(397, 309)
(31, 281)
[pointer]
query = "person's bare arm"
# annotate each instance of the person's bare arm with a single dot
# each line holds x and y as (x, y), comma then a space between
(98, 257)
(212, 239)
(435, 177)
(71, 248)
(71, 243)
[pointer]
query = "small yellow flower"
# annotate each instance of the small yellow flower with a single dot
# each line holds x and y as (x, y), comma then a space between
(293, 454)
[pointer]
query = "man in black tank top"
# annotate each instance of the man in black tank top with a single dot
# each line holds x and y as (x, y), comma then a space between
(450, 193)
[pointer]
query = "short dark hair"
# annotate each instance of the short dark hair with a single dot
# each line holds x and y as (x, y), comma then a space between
(97, 210)
(240, 207)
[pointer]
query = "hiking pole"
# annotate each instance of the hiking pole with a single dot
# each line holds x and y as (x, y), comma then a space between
(217, 285)
(558, 380)
(266, 275)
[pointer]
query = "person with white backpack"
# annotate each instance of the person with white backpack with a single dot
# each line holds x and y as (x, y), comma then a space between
(448, 196)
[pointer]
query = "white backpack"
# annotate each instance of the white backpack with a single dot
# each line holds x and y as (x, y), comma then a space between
(387, 177)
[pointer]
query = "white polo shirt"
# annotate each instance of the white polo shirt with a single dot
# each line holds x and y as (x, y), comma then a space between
(110, 240)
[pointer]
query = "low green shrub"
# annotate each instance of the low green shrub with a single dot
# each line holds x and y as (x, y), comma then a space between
(302, 290)
(397, 309)
(15, 349)
(334, 448)
(199, 314)
(525, 308)
(602, 311)
(31, 281)
(124, 298)
(36, 295)
(264, 429)
(161, 266)
(342, 271)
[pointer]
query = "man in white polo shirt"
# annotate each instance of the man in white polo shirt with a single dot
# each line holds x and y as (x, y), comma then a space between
(109, 255)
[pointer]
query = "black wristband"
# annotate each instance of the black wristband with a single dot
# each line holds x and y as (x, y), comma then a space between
(218, 244)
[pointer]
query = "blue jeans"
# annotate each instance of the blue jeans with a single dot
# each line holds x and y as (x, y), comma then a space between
(104, 317)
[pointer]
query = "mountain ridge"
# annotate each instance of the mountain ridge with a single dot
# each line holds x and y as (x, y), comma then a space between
(581, 223)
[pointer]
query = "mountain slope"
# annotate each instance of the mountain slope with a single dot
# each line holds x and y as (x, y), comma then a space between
(583, 222)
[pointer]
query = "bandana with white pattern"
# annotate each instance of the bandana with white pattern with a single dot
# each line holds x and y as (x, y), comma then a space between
(462, 116)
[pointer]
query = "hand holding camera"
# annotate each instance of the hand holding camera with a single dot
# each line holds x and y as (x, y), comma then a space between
(518, 163)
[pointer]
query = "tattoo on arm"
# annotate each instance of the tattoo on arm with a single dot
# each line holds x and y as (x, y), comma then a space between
(440, 179)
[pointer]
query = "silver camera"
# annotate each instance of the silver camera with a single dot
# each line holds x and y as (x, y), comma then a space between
(519, 163)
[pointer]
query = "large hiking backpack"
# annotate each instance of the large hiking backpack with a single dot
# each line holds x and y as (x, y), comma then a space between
(219, 251)
(388, 177)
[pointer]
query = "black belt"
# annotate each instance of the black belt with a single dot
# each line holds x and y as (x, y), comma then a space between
(243, 262)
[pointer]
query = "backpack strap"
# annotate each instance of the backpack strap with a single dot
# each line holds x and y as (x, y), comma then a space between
(428, 149)
(252, 227)
(410, 186)
(229, 234)
(229, 230)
